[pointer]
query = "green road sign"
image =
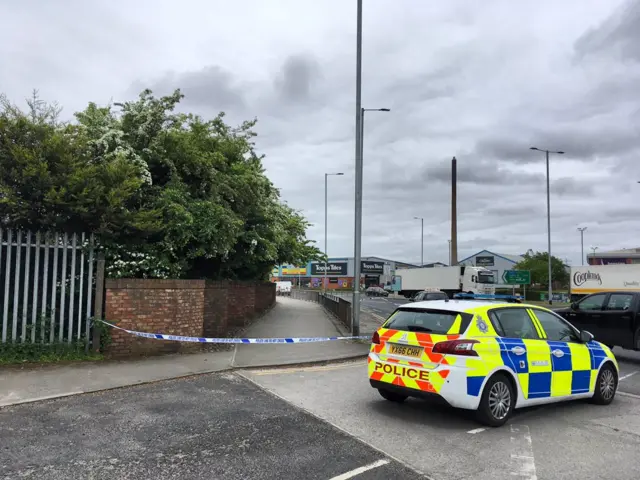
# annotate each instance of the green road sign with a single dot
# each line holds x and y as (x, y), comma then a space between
(516, 277)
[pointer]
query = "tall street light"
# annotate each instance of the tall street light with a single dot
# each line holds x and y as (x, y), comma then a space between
(581, 230)
(326, 200)
(594, 254)
(548, 218)
(421, 240)
(357, 254)
(355, 316)
(358, 214)
(449, 262)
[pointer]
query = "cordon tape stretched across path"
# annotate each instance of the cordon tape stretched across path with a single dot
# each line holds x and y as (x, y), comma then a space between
(179, 338)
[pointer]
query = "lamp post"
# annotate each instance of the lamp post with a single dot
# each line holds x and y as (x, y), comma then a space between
(593, 250)
(548, 219)
(449, 262)
(421, 240)
(357, 250)
(326, 201)
(581, 230)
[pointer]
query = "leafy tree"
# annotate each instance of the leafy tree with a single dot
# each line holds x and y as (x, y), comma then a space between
(167, 194)
(538, 264)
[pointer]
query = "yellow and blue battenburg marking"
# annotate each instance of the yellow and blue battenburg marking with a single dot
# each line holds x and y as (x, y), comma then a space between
(541, 373)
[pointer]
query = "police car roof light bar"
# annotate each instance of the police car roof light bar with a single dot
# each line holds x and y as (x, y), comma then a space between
(485, 296)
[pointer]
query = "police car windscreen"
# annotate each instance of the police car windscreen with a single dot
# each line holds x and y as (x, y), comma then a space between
(425, 320)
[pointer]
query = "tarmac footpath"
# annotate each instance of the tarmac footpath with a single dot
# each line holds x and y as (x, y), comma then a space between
(289, 318)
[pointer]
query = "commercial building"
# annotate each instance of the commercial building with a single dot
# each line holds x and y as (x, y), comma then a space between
(340, 272)
(613, 257)
(496, 262)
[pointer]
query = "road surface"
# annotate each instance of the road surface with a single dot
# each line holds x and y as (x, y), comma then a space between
(218, 426)
(382, 306)
(321, 422)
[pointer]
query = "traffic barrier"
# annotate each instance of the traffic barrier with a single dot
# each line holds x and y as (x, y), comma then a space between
(179, 338)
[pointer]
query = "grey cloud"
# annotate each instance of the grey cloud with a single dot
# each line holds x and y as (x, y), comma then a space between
(481, 172)
(567, 186)
(210, 88)
(618, 35)
(579, 141)
(297, 79)
(485, 89)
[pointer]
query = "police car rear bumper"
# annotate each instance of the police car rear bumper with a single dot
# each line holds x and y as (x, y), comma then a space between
(453, 392)
(409, 392)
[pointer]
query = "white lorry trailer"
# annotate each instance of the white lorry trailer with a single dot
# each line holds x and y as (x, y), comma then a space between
(450, 280)
(603, 278)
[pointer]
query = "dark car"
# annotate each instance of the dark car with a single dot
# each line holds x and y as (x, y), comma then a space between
(427, 296)
(376, 292)
(612, 317)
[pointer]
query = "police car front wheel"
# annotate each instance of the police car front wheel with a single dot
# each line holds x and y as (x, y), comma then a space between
(606, 385)
(392, 396)
(497, 401)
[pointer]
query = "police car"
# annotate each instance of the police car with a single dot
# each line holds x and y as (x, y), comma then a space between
(488, 356)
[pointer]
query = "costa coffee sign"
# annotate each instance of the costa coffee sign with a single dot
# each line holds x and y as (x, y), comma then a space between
(580, 278)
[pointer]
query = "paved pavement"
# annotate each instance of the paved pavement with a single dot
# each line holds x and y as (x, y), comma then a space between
(216, 426)
(288, 318)
(569, 441)
(296, 318)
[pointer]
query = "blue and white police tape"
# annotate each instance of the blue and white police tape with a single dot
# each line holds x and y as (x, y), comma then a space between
(180, 338)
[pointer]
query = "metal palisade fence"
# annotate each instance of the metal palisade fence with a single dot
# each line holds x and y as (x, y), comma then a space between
(46, 286)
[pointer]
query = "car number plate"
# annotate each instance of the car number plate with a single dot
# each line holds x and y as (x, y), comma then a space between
(406, 350)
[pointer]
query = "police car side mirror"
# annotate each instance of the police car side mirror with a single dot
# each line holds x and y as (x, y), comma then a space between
(585, 337)
(574, 306)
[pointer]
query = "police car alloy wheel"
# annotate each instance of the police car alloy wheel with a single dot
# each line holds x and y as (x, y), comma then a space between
(606, 385)
(392, 396)
(497, 402)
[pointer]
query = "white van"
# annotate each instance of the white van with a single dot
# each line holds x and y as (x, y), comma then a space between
(283, 288)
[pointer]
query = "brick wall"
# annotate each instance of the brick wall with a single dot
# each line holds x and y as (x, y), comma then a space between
(231, 305)
(179, 307)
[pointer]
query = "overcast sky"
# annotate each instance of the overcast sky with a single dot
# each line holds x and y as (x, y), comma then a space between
(483, 81)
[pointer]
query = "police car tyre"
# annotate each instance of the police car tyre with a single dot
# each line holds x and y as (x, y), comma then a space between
(606, 385)
(497, 401)
(392, 396)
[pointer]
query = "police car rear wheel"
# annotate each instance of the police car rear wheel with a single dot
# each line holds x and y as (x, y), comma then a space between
(392, 396)
(497, 401)
(606, 386)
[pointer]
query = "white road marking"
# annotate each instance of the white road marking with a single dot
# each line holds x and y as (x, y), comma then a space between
(625, 394)
(522, 461)
(4, 403)
(624, 377)
(476, 430)
(360, 470)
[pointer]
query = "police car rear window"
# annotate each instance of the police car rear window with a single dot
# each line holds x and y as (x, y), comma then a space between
(427, 320)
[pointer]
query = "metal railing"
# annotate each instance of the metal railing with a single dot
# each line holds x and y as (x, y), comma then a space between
(337, 305)
(48, 285)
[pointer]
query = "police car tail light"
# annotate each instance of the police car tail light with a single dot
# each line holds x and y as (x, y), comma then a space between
(456, 347)
(376, 338)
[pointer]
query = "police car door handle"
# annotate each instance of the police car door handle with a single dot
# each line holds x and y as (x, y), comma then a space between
(558, 353)
(518, 350)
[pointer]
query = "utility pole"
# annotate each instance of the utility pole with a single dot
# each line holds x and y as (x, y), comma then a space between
(355, 317)
(421, 240)
(581, 230)
(453, 255)
(548, 221)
